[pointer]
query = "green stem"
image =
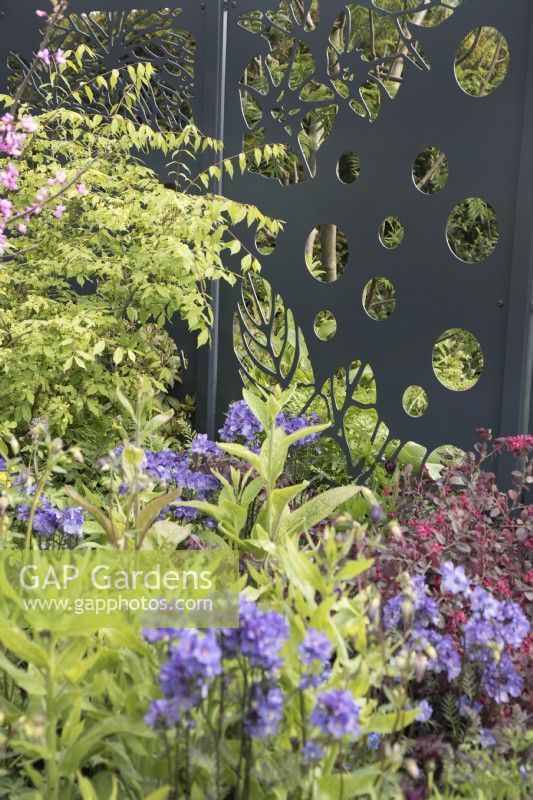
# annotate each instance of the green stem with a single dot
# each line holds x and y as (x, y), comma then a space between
(52, 776)
(29, 527)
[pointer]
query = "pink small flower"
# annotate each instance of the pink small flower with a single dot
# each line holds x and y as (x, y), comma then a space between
(424, 529)
(59, 56)
(58, 211)
(6, 207)
(519, 444)
(29, 124)
(9, 177)
(60, 176)
(81, 189)
(21, 227)
(3, 243)
(42, 194)
(42, 14)
(44, 55)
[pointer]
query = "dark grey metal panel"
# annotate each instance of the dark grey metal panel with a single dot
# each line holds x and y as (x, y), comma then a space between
(482, 138)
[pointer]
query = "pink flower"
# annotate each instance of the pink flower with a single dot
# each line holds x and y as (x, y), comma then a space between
(21, 227)
(42, 14)
(81, 189)
(60, 176)
(42, 194)
(29, 124)
(424, 529)
(9, 176)
(44, 55)
(59, 56)
(3, 243)
(519, 444)
(58, 211)
(6, 207)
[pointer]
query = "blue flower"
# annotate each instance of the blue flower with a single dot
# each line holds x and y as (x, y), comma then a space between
(266, 711)
(315, 647)
(425, 711)
(465, 706)
(262, 635)
(373, 741)
(312, 751)
(336, 714)
(160, 634)
(486, 739)
(240, 424)
(162, 715)
(202, 446)
(71, 521)
(46, 519)
(454, 579)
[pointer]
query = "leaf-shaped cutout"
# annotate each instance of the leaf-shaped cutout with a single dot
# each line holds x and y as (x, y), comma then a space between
(271, 351)
(367, 54)
(118, 39)
(283, 102)
(270, 348)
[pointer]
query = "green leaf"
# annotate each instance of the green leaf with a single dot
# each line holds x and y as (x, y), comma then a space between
(239, 451)
(31, 683)
(353, 569)
(75, 756)
(159, 794)
(258, 408)
(318, 509)
(353, 784)
(151, 510)
(390, 722)
(157, 422)
(23, 647)
(166, 535)
(86, 788)
(123, 400)
(303, 432)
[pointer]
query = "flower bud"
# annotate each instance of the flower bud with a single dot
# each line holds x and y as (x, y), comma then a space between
(420, 664)
(411, 768)
(13, 443)
(77, 454)
(56, 446)
(373, 609)
(430, 651)
(407, 611)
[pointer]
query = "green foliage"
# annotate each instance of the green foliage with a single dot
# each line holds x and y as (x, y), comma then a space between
(501, 772)
(72, 702)
(275, 519)
(85, 300)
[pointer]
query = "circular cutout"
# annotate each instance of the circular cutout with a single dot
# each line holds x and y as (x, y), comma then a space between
(482, 61)
(265, 242)
(430, 170)
(326, 252)
(458, 360)
(325, 326)
(348, 168)
(379, 298)
(473, 230)
(391, 233)
(415, 401)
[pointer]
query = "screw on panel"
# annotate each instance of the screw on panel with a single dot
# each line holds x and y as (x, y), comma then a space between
(500, 303)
